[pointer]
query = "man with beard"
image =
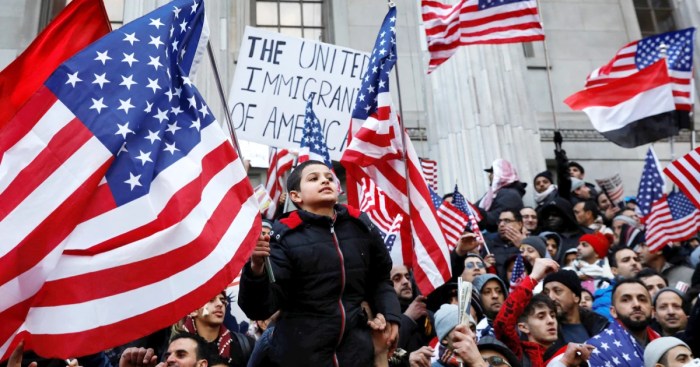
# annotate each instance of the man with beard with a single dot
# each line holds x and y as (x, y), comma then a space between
(416, 328)
(624, 264)
(623, 342)
(506, 242)
(185, 350)
(670, 312)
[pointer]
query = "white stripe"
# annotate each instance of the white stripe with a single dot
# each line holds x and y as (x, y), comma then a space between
(6, 345)
(508, 22)
(146, 208)
(101, 312)
(647, 103)
(166, 240)
(503, 35)
(681, 179)
(20, 155)
(28, 283)
(51, 193)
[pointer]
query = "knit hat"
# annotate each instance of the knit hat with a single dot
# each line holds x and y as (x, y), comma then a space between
(576, 183)
(482, 279)
(545, 174)
(626, 219)
(566, 277)
(491, 343)
(537, 243)
(446, 318)
(658, 347)
(267, 223)
(599, 243)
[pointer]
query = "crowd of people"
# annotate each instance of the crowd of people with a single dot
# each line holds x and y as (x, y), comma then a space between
(321, 289)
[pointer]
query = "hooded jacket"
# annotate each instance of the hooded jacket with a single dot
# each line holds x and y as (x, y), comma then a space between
(324, 269)
(572, 231)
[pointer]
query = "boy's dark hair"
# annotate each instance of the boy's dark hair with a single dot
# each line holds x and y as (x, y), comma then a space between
(447, 196)
(623, 282)
(612, 261)
(203, 350)
(575, 164)
(649, 272)
(516, 214)
(591, 206)
(538, 300)
(294, 179)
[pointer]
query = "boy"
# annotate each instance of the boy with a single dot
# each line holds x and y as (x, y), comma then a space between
(327, 259)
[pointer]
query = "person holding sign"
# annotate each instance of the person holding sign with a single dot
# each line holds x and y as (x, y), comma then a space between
(327, 259)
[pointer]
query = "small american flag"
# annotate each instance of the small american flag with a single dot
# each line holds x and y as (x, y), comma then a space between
(685, 172)
(452, 219)
(429, 168)
(518, 273)
(676, 47)
(651, 185)
(281, 161)
(470, 210)
(673, 218)
(470, 22)
(313, 144)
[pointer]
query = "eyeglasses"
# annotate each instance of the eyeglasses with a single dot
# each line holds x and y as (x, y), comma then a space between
(470, 265)
(506, 220)
(497, 361)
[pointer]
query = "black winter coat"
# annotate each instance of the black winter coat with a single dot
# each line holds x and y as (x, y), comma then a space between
(323, 271)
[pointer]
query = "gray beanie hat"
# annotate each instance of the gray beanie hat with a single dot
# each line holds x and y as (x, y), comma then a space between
(658, 347)
(536, 242)
(480, 280)
(576, 183)
(446, 319)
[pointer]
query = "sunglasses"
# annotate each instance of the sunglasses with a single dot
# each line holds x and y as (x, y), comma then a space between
(497, 361)
(479, 265)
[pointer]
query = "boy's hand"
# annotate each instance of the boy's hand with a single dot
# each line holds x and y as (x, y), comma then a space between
(261, 251)
(543, 267)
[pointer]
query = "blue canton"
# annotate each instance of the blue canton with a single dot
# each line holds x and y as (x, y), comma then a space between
(651, 185)
(132, 90)
(376, 77)
(679, 50)
(437, 200)
(460, 202)
(313, 134)
(615, 347)
(680, 205)
(485, 4)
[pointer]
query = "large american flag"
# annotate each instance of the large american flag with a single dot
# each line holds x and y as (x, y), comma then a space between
(375, 152)
(616, 347)
(685, 172)
(429, 168)
(281, 161)
(470, 22)
(676, 46)
(453, 221)
(123, 205)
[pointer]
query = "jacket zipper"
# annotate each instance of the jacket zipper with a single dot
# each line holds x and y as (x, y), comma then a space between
(342, 289)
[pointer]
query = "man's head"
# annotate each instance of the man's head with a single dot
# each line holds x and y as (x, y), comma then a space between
(492, 350)
(580, 190)
(576, 170)
(670, 310)
(312, 185)
(624, 263)
(401, 278)
(652, 280)
(533, 248)
(617, 223)
(631, 304)
(667, 352)
(603, 202)
(446, 318)
(212, 314)
(186, 350)
(564, 288)
(492, 291)
(542, 181)
(647, 257)
(585, 212)
(266, 227)
(592, 247)
(529, 216)
(539, 320)
(473, 267)
(509, 218)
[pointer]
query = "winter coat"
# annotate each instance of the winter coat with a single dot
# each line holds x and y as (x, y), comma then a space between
(324, 269)
(508, 197)
(501, 250)
(591, 321)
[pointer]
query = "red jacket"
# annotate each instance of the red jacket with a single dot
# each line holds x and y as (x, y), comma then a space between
(506, 322)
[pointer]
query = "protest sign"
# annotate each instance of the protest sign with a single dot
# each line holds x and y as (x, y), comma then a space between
(274, 76)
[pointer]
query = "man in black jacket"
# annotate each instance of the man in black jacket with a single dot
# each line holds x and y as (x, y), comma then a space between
(417, 323)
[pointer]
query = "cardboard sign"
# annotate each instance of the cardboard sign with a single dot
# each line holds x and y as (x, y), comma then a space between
(274, 76)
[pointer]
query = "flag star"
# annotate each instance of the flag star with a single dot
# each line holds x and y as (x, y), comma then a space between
(122, 149)
(153, 84)
(174, 44)
(186, 81)
(204, 111)
(73, 78)
(161, 115)
(193, 102)
(101, 80)
(156, 23)
(98, 105)
(604, 346)
(617, 343)
(170, 148)
(183, 26)
(102, 56)
(616, 360)
(169, 93)
(178, 91)
(382, 84)
(172, 128)
(176, 110)
(123, 130)
(626, 356)
(176, 10)
(125, 105)
(392, 19)
(144, 157)
(133, 181)
(131, 38)
(148, 108)
(370, 88)
(128, 81)
(152, 136)
(361, 97)
(172, 29)
(130, 59)
(194, 8)
(155, 41)
(382, 51)
(196, 124)
(155, 62)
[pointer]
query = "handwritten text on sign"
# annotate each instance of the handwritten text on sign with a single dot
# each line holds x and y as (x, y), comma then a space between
(274, 76)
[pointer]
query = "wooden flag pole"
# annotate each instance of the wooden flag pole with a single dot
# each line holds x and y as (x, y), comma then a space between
(222, 95)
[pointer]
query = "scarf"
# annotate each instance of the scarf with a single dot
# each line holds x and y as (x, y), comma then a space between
(504, 174)
(223, 345)
(540, 197)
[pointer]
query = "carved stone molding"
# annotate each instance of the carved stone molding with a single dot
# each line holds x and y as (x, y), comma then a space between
(593, 135)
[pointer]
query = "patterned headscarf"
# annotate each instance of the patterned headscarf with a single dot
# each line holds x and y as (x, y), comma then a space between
(504, 174)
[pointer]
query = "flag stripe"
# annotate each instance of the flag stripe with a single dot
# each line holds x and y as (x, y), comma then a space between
(685, 172)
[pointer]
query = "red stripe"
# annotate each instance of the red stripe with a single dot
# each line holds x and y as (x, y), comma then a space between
(178, 207)
(61, 147)
(429, 14)
(50, 232)
(677, 93)
(26, 118)
(683, 81)
(93, 340)
(101, 202)
(691, 176)
(12, 319)
(494, 30)
(78, 289)
(497, 17)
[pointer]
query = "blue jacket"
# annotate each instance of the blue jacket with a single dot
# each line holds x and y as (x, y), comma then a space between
(602, 299)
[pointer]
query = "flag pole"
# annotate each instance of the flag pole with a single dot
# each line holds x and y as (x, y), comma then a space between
(222, 95)
(548, 67)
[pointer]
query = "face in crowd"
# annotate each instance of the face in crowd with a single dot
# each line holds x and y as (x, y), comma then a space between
(552, 247)
(669, 313)
(401, 278)
(473, 267)
(631, 304)
(539, 322)
(183, 352)
(542, 183)
(653, 283)
(586, 300)
(603, 202)
(529, 218)
(628, 265)
(565, 300)
(492, 298)
(586, 252)
(212, 314)
(507, 220)
(529, 253)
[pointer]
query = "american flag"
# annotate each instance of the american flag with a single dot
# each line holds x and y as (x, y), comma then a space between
(281, 161)
(313, 144)
(685, 172)
(375, 204)
(651, 185)
(116, 174)
(453, 221)
(676, 46)
(470, 22)
(518, 273)
(429, 168)
(471, 210)
(375, 152)
(616, 347)
(673, 218)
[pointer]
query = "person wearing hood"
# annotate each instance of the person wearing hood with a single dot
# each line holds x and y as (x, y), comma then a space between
(505, 192)
(492, 293)
(553, 241)
(558, 216)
